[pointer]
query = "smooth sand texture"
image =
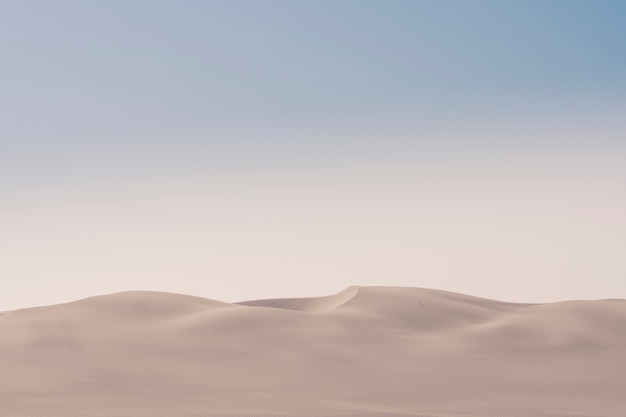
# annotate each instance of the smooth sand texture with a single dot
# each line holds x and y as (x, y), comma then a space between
(367, 351)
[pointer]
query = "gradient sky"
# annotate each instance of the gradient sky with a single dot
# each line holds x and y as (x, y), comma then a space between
(245, 149)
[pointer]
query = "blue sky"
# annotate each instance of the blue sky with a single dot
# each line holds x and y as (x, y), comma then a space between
(112, 67)
(102, 100)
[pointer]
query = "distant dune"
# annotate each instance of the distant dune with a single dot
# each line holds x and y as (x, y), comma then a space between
(367, 351)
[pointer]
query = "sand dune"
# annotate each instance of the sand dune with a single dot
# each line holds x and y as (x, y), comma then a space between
(367, 351)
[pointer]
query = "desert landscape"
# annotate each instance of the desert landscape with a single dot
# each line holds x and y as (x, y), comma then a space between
(366, 351)
(312, 208)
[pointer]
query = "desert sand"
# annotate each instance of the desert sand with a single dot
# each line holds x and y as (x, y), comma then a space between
(367, 351)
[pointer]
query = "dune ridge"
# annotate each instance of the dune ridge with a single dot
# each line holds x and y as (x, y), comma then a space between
(365, 351)
(309, 304)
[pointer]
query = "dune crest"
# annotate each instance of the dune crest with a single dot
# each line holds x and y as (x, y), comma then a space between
(309, 304)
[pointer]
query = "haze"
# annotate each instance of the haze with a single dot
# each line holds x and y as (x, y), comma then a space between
(245, 150)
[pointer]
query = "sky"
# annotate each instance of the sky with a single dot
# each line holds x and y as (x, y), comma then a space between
(238, 150)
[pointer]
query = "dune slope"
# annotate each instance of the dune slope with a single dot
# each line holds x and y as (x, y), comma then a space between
(367, 351)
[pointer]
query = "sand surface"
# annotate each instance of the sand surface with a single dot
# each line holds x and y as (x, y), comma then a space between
(367, 351)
